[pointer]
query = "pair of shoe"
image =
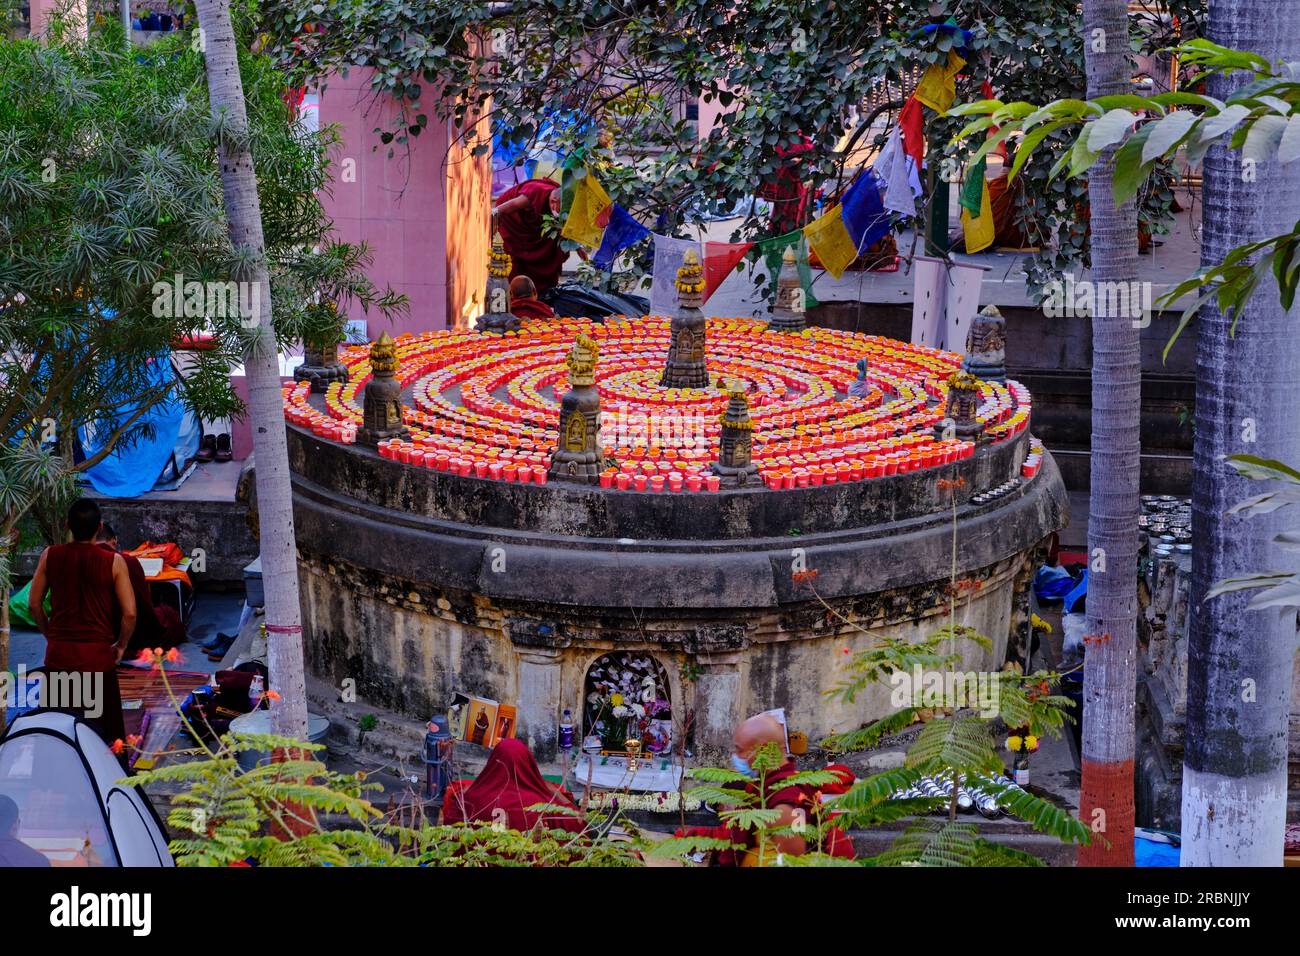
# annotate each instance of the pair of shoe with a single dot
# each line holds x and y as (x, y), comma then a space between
(216, 448)
(219, 646)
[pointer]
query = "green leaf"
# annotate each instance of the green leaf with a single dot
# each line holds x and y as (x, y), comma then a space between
(1215, 126)
(1262, 138)
(1109, 129)
(1166, 133)
(1026, 146)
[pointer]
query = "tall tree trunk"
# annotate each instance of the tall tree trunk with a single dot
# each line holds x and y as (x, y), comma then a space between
(1110, 663)
(274, 499)
(1247, 391)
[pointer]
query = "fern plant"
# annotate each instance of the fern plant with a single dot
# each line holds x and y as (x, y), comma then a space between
(743, 802)
(297, 812)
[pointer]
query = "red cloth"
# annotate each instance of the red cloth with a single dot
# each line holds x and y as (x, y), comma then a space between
(532, 254)
(786, 190)
(720, 260)
(530, 308)
(909, 121)
(510, 781)
(82, 631)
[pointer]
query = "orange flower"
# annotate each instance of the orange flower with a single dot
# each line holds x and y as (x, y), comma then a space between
(117, 747)
(272, 695)
(145, 657)
(134, 740)
(172, 656)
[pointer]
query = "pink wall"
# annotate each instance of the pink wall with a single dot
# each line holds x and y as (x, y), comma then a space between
(400, 207)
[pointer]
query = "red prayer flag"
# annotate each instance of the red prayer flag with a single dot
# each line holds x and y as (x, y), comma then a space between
(909, 121)
(719, 259)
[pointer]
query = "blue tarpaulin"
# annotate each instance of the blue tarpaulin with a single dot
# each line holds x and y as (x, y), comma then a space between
(130, 470)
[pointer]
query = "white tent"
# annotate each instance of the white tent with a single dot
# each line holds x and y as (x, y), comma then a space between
(71, 807)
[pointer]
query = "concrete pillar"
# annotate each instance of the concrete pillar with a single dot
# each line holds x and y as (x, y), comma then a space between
(539, 700)
(719, 706)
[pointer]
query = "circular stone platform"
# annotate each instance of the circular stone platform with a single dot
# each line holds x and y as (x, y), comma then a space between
(421, 579)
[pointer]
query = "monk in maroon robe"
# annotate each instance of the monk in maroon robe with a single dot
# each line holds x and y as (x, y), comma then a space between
(524, 302)
(790, 801)
(518, 214)
(92, 615)
(510, 784)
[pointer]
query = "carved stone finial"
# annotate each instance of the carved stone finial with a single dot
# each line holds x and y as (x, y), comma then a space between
(986, 344)
(962, 407)
(788, 313)
(381, 407)
(579, 456)
(736, 443)
(497, 317)
(685, 366)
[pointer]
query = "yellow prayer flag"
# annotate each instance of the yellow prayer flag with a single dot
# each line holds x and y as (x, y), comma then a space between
(938, 86)
(979, 231)
(830, 239)
(589, 201)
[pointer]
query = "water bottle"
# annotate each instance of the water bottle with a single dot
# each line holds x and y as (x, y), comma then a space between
(256, 690)
(566, 730)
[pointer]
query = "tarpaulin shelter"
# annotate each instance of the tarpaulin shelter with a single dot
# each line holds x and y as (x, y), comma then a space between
(71, 807)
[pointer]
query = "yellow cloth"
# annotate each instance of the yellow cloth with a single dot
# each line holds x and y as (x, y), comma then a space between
(830, 239)
(979, 231)
(938, 86)
(589, 201)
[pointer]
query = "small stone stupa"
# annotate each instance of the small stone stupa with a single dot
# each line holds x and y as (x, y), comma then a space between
(496, 301)
(381, 405)
(686, 367)
(736, 444)
(788, 312)
(986, 345)
(962, 408)
(578, 456)
(321, 364)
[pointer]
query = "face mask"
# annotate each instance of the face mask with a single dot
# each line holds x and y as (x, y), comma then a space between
(741, 765)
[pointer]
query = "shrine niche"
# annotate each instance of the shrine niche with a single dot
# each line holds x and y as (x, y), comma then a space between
(627, 696)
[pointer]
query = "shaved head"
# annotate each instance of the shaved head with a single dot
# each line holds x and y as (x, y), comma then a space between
(753, 733)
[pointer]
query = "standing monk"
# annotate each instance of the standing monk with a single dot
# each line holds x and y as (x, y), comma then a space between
(84, 632)
(518, 216)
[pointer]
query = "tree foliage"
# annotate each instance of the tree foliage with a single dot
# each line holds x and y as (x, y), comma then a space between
(620, 77)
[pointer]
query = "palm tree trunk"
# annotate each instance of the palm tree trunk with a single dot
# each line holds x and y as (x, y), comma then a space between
(274, 499)
(1110, 664)
(1247, 389)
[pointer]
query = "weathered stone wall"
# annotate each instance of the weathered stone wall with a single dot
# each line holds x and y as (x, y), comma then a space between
(408, 647)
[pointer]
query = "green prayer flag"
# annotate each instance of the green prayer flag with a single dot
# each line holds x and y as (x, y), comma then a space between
(972, 189)
(773, 251)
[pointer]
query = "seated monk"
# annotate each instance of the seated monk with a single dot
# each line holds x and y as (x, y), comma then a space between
(510, 783)
(155, 625)
(750, 736)
(524, 302)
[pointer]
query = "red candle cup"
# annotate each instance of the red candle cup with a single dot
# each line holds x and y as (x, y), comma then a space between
(606, 479)
(713, 482)
(539, 475)
(494, 470)
(657, 483)
(622, 481)
(639, 482)
(675, 481)
(694, 482)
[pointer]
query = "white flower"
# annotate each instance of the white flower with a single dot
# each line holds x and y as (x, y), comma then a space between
(593, 698)
(620, 711)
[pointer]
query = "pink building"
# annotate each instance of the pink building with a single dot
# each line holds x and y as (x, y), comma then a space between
(424, 213)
